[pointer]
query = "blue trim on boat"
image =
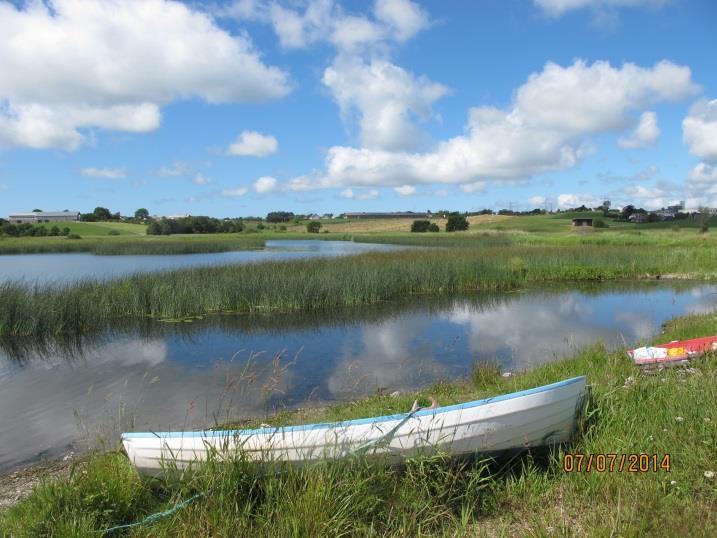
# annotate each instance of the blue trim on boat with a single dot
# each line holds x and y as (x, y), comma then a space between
(355, 422)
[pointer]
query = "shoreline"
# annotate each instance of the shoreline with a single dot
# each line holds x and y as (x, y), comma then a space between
(681, 407)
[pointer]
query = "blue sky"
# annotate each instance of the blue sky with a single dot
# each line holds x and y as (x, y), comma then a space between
(240, 108)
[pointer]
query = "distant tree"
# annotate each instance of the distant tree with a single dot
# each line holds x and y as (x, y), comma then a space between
(88, 217)
(102, 213)
(54, 231)
(11, 230)
(626, 212)
(279, 216)
(605, 207)
(433, 227)
(154, 228)
(705, 215)
(37, 210)
(420, 225)
(313, 226)
(65, 231)
(141, 214)
(456, 223)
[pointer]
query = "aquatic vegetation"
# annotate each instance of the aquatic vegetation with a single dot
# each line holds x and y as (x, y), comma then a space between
(327, 283)
(131, 245)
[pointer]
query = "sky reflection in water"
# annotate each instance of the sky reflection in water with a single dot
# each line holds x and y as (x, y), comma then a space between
(176, 377)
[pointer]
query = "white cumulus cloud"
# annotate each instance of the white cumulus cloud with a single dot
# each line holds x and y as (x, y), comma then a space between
(371, 194)
(300, 24)
(386, 98)
(200, 179)
(253, 144)
(405, 18)
(104, 173)
(557, 8)
(69, 65)
(265, 184)
(645, 134)
(568, 201)
(234, 193)
(405, 190)
(177, 168)
(703, 174)
(699, 130)
(547, 127)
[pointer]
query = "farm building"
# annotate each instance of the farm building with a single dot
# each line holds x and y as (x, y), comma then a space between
(391, 215)
(36, 217)
(638, 218)
(582, 222)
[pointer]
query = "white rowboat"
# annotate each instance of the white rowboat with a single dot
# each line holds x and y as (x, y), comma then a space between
(529, 418)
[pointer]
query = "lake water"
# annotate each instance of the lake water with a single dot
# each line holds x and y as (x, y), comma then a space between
(178, 376)
(43, 268)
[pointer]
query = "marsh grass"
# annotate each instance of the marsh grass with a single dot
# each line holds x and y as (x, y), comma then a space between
(316, 284)
(131, 245)
(628, 411)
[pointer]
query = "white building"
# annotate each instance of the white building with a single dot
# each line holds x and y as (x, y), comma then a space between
(37, 217)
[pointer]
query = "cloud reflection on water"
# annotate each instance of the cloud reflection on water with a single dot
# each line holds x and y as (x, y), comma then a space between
(190, 376)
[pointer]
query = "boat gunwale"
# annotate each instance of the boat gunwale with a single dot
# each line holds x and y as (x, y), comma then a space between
(354, 422)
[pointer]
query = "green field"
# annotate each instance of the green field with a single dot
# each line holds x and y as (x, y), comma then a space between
(128, 244)
(90, 229)
(629, 412)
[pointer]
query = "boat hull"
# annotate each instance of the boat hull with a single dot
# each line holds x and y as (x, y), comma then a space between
(535, 417)
(674, 352)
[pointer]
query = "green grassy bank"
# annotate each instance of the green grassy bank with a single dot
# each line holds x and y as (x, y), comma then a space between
(131, 244)
(325, 283)
(628, 412)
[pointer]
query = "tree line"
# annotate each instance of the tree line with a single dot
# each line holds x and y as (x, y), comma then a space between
(195, 225)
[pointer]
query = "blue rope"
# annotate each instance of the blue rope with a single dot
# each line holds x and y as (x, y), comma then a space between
(385, 438)
(156, 516)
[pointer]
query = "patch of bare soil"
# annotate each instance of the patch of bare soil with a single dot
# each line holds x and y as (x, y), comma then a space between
(17, 485)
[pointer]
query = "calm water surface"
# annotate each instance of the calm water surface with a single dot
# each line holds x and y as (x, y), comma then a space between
(43, 268)
(55, 397)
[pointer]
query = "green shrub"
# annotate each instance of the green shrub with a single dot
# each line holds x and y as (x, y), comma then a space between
(433, 227)
(456, 223)
(54, 231)
(113, 232)
(420, 226)
(313, 226)
(73, 236)
(599, 223)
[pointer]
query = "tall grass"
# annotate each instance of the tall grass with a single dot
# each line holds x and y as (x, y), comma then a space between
(325, 283)
(131, 245)
(629, 411)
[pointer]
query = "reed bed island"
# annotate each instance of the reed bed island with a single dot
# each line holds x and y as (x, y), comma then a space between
(469, 263)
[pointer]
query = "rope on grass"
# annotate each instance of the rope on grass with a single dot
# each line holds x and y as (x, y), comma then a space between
(156, 516)
(386, 437)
